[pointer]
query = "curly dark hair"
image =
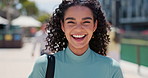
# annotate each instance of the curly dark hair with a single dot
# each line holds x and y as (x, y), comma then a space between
(56, 39)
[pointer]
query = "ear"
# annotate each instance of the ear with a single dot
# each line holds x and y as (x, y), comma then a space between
(62, 26)
(95, 26)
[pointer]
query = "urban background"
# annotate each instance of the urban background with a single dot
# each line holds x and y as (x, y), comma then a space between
(20, 20)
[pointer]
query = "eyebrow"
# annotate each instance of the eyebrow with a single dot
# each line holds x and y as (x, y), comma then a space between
(87, 18)
(70, 18)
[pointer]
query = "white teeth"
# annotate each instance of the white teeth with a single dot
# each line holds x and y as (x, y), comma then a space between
(78, 36)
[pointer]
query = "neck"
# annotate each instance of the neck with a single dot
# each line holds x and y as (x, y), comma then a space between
(78, 51)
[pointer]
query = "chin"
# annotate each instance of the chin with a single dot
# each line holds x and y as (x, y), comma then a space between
(79, 46)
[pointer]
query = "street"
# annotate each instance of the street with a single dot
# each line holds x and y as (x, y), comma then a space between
(18, 63)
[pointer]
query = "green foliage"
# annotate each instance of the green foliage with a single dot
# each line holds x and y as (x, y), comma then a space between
(4, 3)
(30, 8)
(22, 1)
(44, 18)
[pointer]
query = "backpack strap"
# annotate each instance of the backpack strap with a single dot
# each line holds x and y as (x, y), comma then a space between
(50, 66)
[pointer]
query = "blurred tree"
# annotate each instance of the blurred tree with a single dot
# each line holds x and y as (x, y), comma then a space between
(22, 1)
(1, 4)
(26, 7)
(44, 17)
(8, 9)
(29, 7)
(5, 3)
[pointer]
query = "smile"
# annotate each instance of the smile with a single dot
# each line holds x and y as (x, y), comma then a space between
(78, 36)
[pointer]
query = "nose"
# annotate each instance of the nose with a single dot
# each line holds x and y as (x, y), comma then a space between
(79, 26)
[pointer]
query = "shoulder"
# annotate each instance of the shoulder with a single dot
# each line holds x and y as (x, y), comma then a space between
(39, 68)
(59, 55)
(106, 60)
(108, 63)
(42, 60)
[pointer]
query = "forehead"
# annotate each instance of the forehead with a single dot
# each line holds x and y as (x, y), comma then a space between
(78, 12)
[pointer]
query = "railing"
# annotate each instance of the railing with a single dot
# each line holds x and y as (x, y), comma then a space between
(135, 53)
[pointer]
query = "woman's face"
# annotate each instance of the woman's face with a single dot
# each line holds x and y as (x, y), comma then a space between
(78, 26)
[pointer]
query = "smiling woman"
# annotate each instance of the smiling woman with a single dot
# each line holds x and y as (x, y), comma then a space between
(78, 28)
(78, 38)
(62, 16)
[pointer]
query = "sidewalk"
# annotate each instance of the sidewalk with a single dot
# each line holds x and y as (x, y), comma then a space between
(18, 63)
(130, 70)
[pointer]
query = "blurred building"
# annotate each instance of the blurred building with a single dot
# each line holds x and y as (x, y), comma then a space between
(133, 13)
(132, 17)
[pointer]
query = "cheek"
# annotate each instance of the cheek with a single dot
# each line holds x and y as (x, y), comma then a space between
(89, 29)
(67, 32)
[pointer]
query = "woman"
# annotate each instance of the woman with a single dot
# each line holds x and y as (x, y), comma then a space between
(78, 37)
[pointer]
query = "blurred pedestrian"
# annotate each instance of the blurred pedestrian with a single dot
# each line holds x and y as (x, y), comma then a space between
(33, 30)
(78, 37)
(114, 46)
(40, 38)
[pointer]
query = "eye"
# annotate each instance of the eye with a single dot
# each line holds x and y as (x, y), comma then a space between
(86, 22)
(70, 22)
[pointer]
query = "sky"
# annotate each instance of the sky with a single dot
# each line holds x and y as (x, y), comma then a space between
(47, 5)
